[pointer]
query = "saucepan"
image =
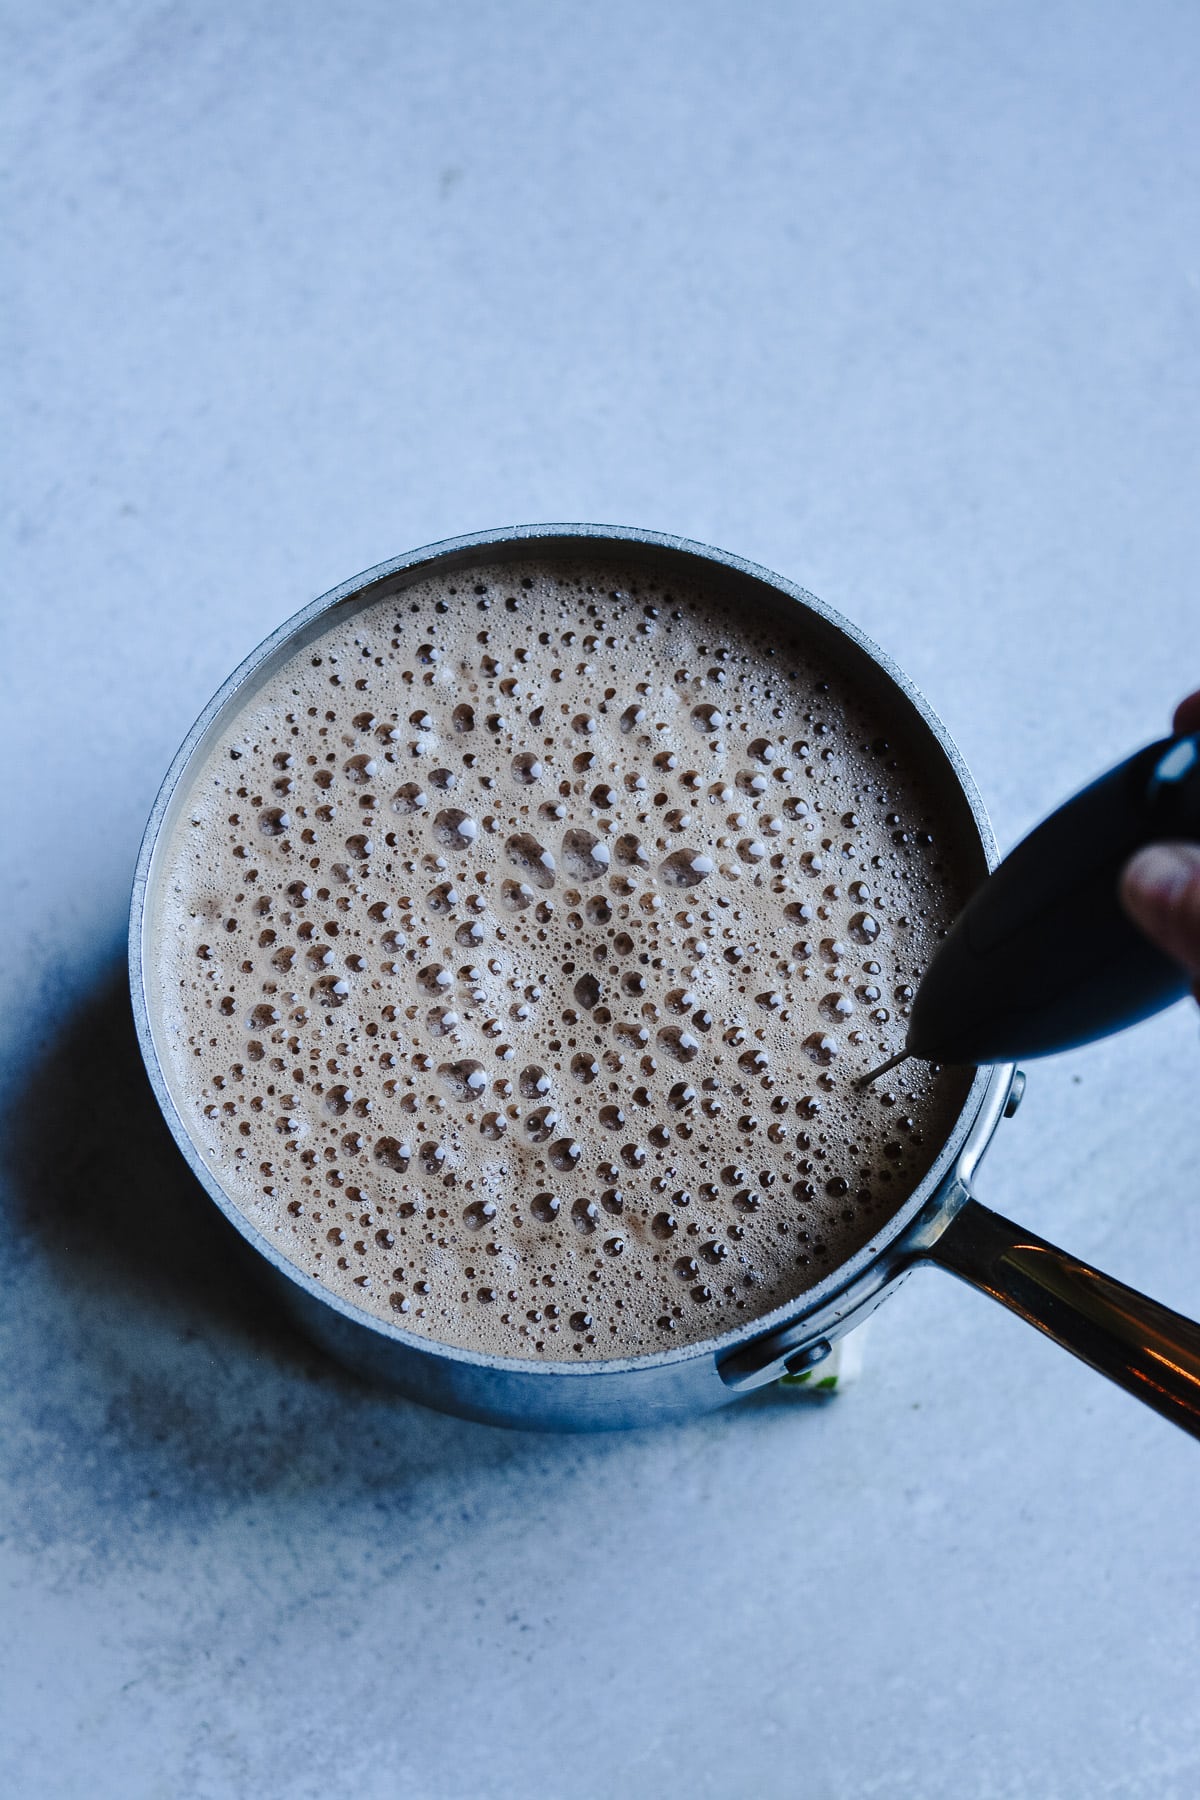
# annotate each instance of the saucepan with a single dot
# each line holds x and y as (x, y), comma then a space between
(1149, 1350)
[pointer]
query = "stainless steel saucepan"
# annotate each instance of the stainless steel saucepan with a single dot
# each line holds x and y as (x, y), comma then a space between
(1149, 1350)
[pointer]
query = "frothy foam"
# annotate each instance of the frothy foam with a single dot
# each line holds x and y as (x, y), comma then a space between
(519, 943)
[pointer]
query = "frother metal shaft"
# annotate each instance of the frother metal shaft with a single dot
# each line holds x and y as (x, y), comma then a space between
(865, 1081)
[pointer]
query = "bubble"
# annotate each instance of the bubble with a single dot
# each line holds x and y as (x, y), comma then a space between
(527, 768)
(707, 718)
(443, 898)
(585, 1216)
(463, 718)
(821, 1048)
(534, 1082)
(565, 1154)
(360, 769)
(863, 928)
(393, 1154)
(274, 821)
(686, 868)
(540, 1123)
(587, 991)
(478, 1214)
(464, 1080)
(836, 1007)
(531, 858)
(516, 895)
(680, 1044)
(409, 798)
(584, 857)
(455, 828)
(545, 1208)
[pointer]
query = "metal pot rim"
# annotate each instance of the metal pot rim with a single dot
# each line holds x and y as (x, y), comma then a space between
(981, 1108)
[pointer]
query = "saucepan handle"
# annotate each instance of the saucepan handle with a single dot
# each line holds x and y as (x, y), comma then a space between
(1145, 1348)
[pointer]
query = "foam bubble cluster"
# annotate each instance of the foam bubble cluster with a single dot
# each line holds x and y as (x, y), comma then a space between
(520, 942)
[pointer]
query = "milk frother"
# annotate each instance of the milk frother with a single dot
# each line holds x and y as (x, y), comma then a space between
(1044, 957)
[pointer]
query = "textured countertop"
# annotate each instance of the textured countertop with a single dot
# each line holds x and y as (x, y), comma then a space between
(900, 302)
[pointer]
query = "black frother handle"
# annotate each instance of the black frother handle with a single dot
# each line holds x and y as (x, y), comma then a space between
(1044, 956)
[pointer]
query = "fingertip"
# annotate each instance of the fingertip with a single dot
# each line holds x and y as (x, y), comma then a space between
(1160, 889)
(1154, 875)
(1187, 714)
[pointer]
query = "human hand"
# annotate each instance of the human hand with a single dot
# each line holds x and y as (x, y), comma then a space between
(1160, 886)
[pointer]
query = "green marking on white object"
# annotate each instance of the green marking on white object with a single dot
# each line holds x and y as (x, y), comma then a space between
(840, 1369)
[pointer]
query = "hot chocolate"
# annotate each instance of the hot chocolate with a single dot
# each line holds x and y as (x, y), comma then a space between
(519, 942)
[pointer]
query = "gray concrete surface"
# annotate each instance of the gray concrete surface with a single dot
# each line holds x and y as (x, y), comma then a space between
(901, 301)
